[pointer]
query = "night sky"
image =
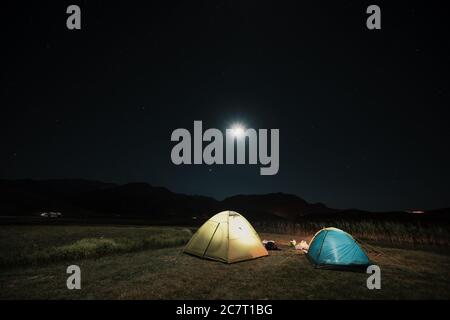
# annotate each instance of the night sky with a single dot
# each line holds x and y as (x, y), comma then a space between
(363, 115)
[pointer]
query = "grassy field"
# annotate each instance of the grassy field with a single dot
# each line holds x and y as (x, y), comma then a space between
(37, 245)
(147, 263)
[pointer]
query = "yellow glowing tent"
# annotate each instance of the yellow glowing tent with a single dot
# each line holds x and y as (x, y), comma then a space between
(226, 237)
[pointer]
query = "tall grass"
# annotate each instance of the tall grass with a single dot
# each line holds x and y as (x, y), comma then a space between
(79, 245)
(370, 230)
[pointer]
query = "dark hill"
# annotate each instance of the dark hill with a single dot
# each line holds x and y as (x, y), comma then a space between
(281, 205)
(89, 199)
(25, 197)
(93, 199)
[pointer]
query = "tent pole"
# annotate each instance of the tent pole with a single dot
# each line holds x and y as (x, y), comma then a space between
(207, 247)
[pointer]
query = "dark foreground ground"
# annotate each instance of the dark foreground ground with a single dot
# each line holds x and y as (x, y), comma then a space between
(152, 266)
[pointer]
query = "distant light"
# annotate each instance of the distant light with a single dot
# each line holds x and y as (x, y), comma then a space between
(416, 211)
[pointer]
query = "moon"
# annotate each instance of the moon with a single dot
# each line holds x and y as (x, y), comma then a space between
(238, 130)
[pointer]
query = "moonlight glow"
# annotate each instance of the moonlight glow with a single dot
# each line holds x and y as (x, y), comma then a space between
(238, 130)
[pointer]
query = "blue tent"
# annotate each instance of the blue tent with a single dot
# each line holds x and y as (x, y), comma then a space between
(335, 249)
